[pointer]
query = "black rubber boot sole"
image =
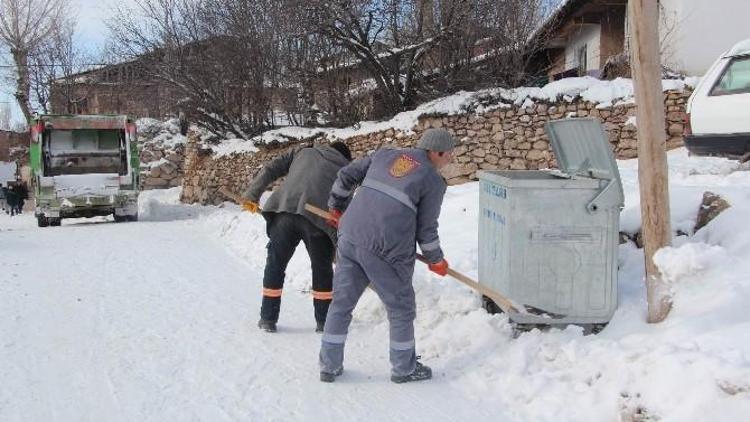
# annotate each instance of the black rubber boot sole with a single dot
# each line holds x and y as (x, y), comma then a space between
(330, 377)
(421, 373)
(267, 326)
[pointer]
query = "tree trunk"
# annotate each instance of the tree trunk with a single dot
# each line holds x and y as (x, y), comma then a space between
(23, 83)
(652, 156)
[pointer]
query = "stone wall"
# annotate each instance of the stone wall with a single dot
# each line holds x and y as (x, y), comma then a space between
(161, 166)
(504, 138)
(162, 153)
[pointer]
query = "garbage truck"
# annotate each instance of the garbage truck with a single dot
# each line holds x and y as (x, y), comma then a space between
(84, 166)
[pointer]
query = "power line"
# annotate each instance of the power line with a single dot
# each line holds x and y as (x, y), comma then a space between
(56, 65)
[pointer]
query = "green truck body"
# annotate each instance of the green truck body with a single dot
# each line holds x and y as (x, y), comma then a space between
(84, 166)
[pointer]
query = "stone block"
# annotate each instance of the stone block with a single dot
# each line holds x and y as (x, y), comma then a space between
(479, 152)
(518, 164)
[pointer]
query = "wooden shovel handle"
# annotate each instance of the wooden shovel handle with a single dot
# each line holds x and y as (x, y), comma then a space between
(503, 302)
(312, 209)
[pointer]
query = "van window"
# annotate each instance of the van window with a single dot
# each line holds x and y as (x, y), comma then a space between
(735, 79)
(83, 151)
(85, 140)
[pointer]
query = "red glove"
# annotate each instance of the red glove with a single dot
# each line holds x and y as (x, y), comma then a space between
(439, 268)
(335, 217)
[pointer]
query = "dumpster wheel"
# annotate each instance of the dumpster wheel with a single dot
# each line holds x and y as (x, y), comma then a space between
(588, 329)
(491, 307)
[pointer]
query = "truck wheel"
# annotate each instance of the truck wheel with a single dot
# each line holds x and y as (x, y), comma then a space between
(55, 222)
(133, 217)
(120, 218)
(42, 221)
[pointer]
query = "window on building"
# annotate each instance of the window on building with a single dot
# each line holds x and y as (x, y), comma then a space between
(80, 106)
(582, 59)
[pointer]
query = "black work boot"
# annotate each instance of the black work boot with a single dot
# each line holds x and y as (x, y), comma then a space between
(319, 325)
(331, 376)
(421, 373)
(267, 325)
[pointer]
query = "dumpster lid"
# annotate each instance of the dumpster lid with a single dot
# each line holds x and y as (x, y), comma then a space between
(582, 149)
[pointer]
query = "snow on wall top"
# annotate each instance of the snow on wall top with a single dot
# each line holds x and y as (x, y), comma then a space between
(603, 93)
(161, 132)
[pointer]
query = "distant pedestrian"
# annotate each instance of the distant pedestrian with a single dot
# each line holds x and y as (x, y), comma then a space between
(23, 195)
(396, 207)
(3, 191)
(11, 198)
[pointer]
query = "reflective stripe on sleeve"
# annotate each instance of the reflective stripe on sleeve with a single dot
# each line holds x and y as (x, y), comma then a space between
(339, 190)
(430, 246)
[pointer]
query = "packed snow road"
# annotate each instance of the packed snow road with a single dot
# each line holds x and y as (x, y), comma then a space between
(155, 321)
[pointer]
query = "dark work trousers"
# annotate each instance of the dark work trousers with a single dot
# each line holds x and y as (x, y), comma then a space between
(285, 232)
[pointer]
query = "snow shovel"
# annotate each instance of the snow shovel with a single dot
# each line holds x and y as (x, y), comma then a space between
(503, 302)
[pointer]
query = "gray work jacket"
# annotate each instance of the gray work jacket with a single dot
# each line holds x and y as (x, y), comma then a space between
(310, 173)
(397, 206)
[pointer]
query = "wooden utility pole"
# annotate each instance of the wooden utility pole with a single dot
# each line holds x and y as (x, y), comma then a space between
(652, 154)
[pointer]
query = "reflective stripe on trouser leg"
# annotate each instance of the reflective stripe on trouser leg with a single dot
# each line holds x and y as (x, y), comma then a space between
(349, 282)
(283, 239)
(320, 248)
(393, 283)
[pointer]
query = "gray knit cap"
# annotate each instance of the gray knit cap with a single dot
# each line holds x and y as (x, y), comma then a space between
(438, 140)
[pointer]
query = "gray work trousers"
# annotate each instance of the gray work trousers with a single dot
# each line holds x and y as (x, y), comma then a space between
(356, 267)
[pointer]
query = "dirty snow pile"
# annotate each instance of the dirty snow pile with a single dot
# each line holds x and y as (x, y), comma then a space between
(162, 133)
(693, 366)
(602, 92)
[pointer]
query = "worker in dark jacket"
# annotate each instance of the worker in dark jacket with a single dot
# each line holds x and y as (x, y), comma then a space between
(23, 194)
(396, 208)
(11, 198)
(310, 173)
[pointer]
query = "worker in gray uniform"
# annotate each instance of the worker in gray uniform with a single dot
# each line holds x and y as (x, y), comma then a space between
(396, 207)
(309, 173)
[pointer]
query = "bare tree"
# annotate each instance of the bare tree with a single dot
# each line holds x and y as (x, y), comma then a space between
(389, 39)
(512, 33)
(24, 25)
(222, 58)
(52, 66)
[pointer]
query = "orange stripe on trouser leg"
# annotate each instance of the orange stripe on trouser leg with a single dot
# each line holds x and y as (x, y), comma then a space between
(272, 292)
(322, 295)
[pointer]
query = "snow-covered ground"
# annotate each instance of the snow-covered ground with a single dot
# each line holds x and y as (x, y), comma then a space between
(155, 321)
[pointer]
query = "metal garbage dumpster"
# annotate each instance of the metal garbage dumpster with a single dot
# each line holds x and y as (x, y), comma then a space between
(549, 238)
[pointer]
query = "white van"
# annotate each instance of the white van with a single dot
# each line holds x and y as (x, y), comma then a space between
(718, 112)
